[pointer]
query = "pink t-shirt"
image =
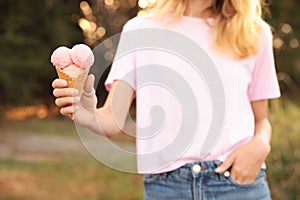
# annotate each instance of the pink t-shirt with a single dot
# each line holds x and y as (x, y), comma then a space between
(243, 81)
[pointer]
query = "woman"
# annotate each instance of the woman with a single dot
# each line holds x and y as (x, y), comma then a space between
(239, 42)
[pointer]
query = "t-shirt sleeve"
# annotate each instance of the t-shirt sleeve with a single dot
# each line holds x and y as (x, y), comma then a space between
(123, 67)
(264, 83)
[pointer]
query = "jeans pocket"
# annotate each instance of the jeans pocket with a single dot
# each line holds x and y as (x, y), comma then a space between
(261, 177)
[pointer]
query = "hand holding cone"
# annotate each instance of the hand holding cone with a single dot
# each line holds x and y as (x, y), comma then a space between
(73, 65)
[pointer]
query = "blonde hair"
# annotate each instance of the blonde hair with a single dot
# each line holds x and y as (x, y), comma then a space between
(236, 25)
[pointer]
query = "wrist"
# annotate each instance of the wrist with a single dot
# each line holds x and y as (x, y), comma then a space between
(263, 142)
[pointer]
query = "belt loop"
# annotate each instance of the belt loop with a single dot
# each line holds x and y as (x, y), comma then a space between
(164, 175)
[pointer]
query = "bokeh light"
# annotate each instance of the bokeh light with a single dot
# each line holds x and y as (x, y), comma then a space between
(286, 28)
(278, 43)
(84, 24)
(109, 2)
(143, 3)
(101, 31)
(294, 43)
(103, 17)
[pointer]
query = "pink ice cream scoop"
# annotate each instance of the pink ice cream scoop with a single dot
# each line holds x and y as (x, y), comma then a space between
(61, 57)
(72, 70)
(73, 61)
(82, 56)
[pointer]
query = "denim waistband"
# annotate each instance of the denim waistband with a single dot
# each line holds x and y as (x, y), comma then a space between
(196, 169)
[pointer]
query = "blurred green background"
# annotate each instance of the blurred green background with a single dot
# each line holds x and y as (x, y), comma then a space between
(29, 122)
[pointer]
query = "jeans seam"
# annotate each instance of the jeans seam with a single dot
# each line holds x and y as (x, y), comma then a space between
(194, 188)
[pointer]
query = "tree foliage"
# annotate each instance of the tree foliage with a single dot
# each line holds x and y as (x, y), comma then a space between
(30, 30)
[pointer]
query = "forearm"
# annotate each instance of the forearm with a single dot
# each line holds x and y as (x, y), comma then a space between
(263, 130)
(104, 123)
(109, 120)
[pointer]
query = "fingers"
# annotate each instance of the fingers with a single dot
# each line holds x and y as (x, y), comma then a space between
(236, 173)
(226, 164)
(61, 90)
(59, 83)
(65, 101)
(68, 105)
(66, 98)
(69, 110)
(65, 92)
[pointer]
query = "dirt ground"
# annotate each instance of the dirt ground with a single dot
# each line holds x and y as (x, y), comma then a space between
(34, 146)
(40, 147)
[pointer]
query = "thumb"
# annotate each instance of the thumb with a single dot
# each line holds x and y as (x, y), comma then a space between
(89, 85)
(88, 99)
(225, 165)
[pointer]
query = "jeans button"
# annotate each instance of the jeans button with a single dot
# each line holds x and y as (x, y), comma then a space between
(196, 168)
(227, 174)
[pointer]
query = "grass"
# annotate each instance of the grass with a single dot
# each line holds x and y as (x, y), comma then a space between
(59, 125)
(76, 177)
(63, 177)
(54, 126)
(69, 178)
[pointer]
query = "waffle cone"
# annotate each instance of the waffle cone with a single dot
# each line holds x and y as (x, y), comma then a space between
(74, 82)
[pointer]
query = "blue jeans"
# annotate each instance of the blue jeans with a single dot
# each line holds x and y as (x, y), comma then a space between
(198, 181)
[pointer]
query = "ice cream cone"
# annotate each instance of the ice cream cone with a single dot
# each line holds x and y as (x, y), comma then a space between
(74, 82)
